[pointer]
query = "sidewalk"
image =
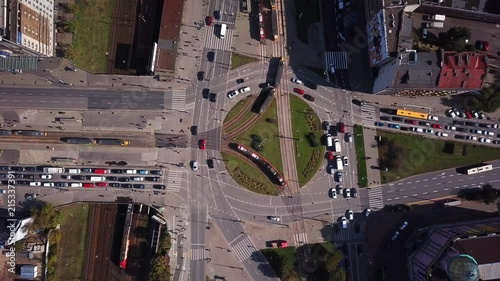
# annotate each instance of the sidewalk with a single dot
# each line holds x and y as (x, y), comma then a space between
(371, 153)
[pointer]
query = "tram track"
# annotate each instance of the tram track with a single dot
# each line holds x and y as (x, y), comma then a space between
(243, 111)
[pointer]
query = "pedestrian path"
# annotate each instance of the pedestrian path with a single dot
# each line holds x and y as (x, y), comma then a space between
(214, 42)
(179, 100)
(375, 198)
(174, 181)
(368, 113)
(338, 59)
(190, 106)
(244, 249)
(300, 238)
(350, 233)
(198, 254)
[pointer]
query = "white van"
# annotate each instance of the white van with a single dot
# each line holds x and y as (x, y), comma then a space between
(337, 145)
(97, 178)
(329, 140)
(223, 30)
(76, 184)
(73, 171)
(340, 165)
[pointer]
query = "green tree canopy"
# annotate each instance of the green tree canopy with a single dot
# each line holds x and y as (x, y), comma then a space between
(45, 218)
(338, 275)
(488, 101)
(332, 263)
(454, 38)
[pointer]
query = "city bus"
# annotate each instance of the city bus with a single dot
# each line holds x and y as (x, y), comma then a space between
(478, 169)
(412, 114)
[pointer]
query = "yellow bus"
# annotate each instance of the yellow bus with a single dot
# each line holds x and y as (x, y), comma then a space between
(412, 114)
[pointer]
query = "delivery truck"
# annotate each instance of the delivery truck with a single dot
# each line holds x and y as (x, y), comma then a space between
(53, 170)
(438, 17)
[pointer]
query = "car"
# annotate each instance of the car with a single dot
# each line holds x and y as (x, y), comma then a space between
(124, 179)
(201, 75)
(86, 170)
(437, 126)
(471, 138)
(339, 176)
(354, 192)
(114, 184)
(88, 185)
(137, 179)
(297, 81)
(152, 178)
(457, 122)
(80, 177)
(345, 161)
(450, 128)
(385, 118)
(329, 155)
(403, 226)
(211, 56)
(476, 131)
(111, 178)
(203, 144)
(205, 92)
(358, 102)
(488, 133)
(482, 116)
(496, 142)
(479, 44)
(425, 32)
(232, 94)
(441, 134)
(325, 125)
(31, 177)
(367, 212)
(120, 171)
(428, 131)
(484, 125)
(475, 114)
(194, 165)
(212, 97)
(341, 127)
(451, 113)
(210, 163)
(209, 20)
(244, 90)
(138, 186)
(468, 114)
(30, 196)
(309, 97)
(409, 121)
(102, 184)
(379, 124)
(395, 236)
(350, 214)
(485, 140)
(310, 85)
(460, 129)
(143, 172)
(156, 172)
(159, 186)
(17, 169)
(471, 124)
(274, 218)
(125, 185)
(333, 193)
(240, 81)
(397, 119)
(423, 123)
(347, 193)
(60, 184)
(461, 137)
(330, 169)
(341, 4)
(298, 91)
(217, 14)
(495, 126)
(486, 46)
(462, 114)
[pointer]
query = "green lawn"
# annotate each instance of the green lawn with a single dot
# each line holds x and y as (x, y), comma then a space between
(234, 163)
(422, 155)
(238, 60)
(71, 249)
(236, 109)
(306, 167)
(249, 114)
(359, 144)
(269, 133)
(91, 34)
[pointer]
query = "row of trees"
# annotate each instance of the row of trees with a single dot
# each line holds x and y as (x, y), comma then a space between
(487, 194)
(160, 269)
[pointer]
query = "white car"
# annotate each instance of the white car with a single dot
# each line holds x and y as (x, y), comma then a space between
(451, 128)
(341, 4)
(404, 225)
(476, 131)
(344, 222)
(488, 133)
(350, 214)
(451, 113)
(395, 236)
(345, 161)
(273, 218)
(440, 134)
(347, 193)
(496, 126)
(333, 193)
(244, 90)
(481, 116)
(368, 212)
(484, 140)
(48, 184)
(194, 165)
(137, 179)
(471, 138)
(46, 177)
(232, 94)
(297, 81)
(434, 118)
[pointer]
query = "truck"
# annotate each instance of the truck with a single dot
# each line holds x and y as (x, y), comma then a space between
(111, 142)
(340, 165)
(438, 17)
(337, 145)
(436, 24)
(53, 170)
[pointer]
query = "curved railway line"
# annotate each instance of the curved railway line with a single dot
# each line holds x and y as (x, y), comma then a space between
(245, 126)
(243, 111)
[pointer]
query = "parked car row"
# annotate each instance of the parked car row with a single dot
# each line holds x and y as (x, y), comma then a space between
(454, 113)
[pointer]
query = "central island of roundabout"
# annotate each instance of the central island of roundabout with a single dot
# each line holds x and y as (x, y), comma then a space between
(251, 142)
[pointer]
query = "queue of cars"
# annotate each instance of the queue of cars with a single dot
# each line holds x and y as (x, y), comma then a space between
(96, 177)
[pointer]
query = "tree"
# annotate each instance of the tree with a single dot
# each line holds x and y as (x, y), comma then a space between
(332, 263)
(487, 194)
(338, 275)
(391, 154)
(488, 101)
(454, 38)
(45, 218)
(71, 52)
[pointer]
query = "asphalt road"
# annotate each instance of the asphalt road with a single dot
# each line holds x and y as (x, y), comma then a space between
(80, 99)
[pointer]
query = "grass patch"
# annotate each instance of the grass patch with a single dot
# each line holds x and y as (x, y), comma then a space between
(422, 155)
(359, 144)
(241, 121)
(237, 166)
(238, 60)
(91, 34)
(269, 133)
(306, 156)
(283, 261)
(236, 109)
(71, 248)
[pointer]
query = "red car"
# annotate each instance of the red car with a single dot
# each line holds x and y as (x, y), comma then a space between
(203, 144)
(341, 127)
(209, 20)
(409, 121)
(436, 126)
(88, 185)
(101, 171)
(298, 91)
(468, 114)
(329, 154)
(486, 46)
(102, 184)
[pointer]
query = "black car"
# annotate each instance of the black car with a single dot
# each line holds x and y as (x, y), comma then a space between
(358, 102)
(117, 171)
(310, 85)
(87, 170)
(156, 172)
(152, 178)
(61, 184)
(239, 81)
(210, 56)
(5, 132)
(325, 125)
(205, 92)
(139, 186)
(460, 137)
(309, 97)
(194, 130)
(30, 169)
(126, 185)
(385, 118)
(398, 119)
(124, 179)
(212, 97)
(80, 177)
(472, 124)
(201, 75)
(388, 111)
(460, 129)
(18, 169)
(111, 178)
(483, 125)
(456, 122)
(4, 168)
(114, 184)
(210, 163)
(158, 186)
(18, 176)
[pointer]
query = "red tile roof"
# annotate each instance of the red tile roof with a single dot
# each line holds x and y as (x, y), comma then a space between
(462, 70)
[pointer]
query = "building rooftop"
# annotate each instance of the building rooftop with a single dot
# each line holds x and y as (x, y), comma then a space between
(462, 70)
(483, 249)
(417, 70)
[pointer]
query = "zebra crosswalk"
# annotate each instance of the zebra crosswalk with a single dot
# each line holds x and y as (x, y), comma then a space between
(300, 238)
(179, 101)
(375, 198)
(190, 106)
(214, 42)
(198, 254)
(354, 231)
(174, 181)
(244, 249)
(338, 59)
(368, 113)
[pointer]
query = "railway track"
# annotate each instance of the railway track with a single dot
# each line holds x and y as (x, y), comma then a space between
(243, 111)
(90, 246)
(245, 126)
